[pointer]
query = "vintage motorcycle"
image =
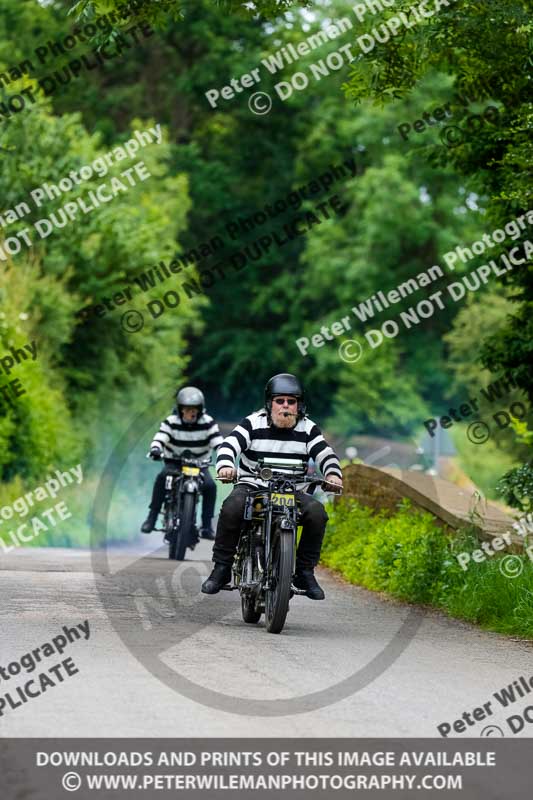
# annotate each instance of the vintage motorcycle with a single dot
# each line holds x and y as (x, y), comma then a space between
(183, 485)
(266, 554)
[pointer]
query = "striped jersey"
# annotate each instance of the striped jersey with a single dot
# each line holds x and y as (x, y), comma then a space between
(254, 439)
(200, 438)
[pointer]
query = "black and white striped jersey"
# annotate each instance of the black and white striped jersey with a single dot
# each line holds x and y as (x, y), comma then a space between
(254, 439)
(174, 437)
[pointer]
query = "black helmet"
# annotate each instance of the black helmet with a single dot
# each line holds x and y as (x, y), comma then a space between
(285, 383)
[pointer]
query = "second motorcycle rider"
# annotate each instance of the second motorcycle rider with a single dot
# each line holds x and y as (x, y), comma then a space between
(189, 427)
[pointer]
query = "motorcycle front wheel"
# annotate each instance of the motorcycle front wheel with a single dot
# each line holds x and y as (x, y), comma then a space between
(183, 534)
(278, 596)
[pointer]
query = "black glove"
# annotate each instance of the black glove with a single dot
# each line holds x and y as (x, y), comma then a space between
(155, 453)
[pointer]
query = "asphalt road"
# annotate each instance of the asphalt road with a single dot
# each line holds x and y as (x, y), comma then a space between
(164, 660)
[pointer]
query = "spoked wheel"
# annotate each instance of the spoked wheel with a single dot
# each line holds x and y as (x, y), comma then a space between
(249, 614)
(183, 534)
(278, 596)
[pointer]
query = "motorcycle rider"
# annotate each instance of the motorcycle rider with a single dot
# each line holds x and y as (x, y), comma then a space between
(281, 429)
(189, 427)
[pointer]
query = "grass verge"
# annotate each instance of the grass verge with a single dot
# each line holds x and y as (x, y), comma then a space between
(410, 557)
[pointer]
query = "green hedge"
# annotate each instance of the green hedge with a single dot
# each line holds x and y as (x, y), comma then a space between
(409, 556)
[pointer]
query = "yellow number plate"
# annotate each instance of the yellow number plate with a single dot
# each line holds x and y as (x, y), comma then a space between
(191, 470)
(283, 499)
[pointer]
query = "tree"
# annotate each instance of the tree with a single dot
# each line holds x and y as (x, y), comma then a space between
(88, 369)
(238, 163)
(486, 49)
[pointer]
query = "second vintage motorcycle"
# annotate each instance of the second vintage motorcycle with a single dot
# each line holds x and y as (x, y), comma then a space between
(183, 486)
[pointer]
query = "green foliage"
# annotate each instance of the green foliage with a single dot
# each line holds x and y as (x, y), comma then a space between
(411, 558)
(402, 555)
(484, 463)
(387, 400)
(217, 165)
(313, 280)
(90, 377)
(160, 11)
(469, 327)
(36, 430)
(477, 45)
(517, 487)
(486, 597)
(316, 279)
(511, 348)
(523, 433)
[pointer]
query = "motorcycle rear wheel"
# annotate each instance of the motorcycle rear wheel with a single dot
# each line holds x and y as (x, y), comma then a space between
(277, 598)
(249, 613)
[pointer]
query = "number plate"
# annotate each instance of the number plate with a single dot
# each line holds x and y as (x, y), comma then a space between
(283, 499)
(191, 470)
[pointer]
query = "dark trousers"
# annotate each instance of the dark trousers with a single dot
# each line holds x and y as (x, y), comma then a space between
(209, 491)
(313, 521)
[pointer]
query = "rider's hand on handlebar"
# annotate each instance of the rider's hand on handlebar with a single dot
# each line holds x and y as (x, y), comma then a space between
(155, 453)
(227, 474)
(334, 483)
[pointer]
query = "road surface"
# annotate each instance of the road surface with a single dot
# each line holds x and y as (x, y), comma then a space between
(148, 621)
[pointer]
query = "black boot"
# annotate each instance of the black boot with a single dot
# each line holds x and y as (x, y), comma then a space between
(150, 521)
(207, 533)
(219, 577)
(304, 578)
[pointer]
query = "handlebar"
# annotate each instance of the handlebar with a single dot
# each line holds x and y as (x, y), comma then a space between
(181, 460)
(316, 482)
(322, 481)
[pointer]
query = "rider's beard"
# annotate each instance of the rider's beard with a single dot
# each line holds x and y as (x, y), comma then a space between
(284, 418)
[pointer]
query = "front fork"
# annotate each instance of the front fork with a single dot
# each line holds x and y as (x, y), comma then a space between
(175, 489)
(286, 527)
(171, 502)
